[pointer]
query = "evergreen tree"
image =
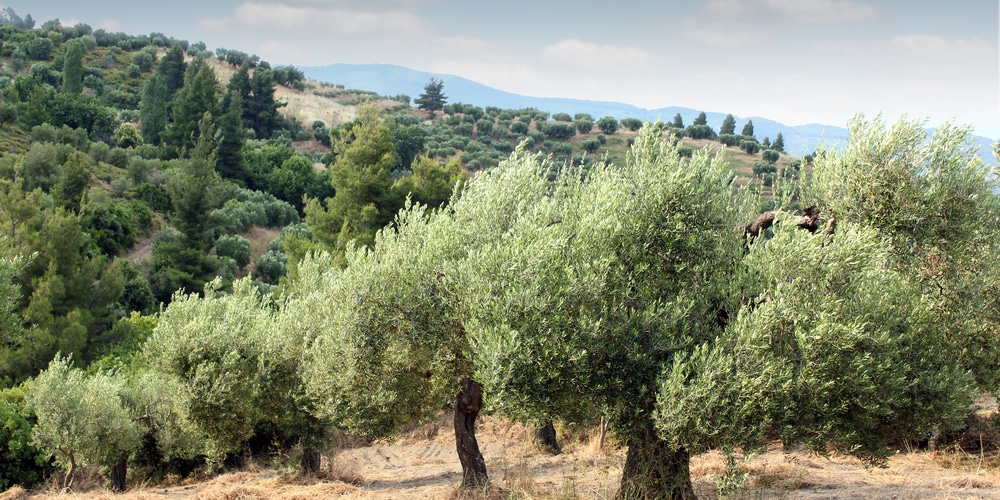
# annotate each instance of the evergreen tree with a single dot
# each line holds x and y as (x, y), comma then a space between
(172, 68)
(433, 98)
(75, 177)
(229, 155)
(728, 125)
(36, 113)
(196, 98)
(72, 73)
(363, 202)
(262, 108)
(240, 83)
(153, 109)
(701, 119)
(766, 144)
(748, 129)
(779, 143)
(678, 121)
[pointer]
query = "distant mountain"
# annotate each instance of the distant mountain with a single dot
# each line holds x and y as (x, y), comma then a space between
(388, 79)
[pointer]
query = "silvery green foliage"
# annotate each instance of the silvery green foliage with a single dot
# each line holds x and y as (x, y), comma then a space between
(82, 420)
(935, 202)
(231, 361)
(630, 291)
(589, 285)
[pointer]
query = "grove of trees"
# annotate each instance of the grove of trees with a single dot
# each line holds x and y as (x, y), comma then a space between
(859, 311)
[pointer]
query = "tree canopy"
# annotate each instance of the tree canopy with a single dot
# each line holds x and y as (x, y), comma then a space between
(433, 98)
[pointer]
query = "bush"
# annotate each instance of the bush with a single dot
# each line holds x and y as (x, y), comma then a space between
(685, 151)
(271, 266)
(750, 147)
(591, 145)
(608, 125)
(633, 124)
(558, 130)
(584, 126)
(24, 464)
(235, 247)
(760, 168)
(562, 117)
(770, 155)
(484, 126)
(519, 127)
(700, 132)
(729, 139)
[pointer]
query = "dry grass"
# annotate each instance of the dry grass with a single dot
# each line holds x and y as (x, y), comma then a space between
(421, 463)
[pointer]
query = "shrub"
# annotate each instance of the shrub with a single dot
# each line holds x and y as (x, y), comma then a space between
(562, 117)
(770, 155)
(584, 126)
(750, 147)
(558, 130)
(632, 124)
(608, 125)
(591, 145)
(235, 247)
(729, 139)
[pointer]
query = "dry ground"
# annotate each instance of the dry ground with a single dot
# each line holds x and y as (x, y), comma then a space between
(422, 464)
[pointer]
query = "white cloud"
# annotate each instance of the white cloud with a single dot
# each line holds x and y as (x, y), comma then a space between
(108, 24)
(577, 53)
(468, 46)
(724, 7)
(719, 35)
(915, 49)
(332, 20)
(823, 11)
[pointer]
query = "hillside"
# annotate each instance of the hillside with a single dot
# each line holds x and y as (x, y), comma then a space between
(389, 79)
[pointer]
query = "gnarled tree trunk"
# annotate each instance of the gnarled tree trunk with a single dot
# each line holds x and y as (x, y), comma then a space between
(310, 460)
(545, 436)
(467, 406)
(654, 470)
(118, 473)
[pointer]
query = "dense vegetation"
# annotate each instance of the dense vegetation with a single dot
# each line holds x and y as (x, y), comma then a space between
(858, 310)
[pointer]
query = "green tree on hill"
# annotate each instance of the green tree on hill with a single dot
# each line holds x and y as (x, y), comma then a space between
(748, 129)
(433, 98)
(728, 125)
(172, 68)
(153, 109)
(779, 143)
(72, 73)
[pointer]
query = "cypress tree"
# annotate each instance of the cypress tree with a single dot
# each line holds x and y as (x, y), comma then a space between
(779, 143)
(153, 109)
(748, 129)
(73, 68)
(229, 155)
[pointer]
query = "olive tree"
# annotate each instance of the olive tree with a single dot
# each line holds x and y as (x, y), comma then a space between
(541, 292)
(236, 369)
(82, 420)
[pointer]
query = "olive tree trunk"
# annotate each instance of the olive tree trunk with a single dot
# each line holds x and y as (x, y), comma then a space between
(118, 473)
(545, 436)
(654, 470)
(467, 406)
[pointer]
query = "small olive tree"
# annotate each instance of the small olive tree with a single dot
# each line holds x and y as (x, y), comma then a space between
(83, 420)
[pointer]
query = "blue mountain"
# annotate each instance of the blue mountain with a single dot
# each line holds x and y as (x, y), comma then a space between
(388, 79)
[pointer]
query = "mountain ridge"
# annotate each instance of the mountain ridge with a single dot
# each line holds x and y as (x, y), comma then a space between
(391, 79)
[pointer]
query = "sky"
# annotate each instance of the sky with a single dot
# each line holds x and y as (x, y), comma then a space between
(794, 61)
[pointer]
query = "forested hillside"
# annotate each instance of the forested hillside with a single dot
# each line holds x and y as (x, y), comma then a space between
(206, 259)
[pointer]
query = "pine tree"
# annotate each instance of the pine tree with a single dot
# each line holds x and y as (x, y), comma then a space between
(433, 98)
(728, 125)
(748, 129)
(193, 100)
(172, 68)
(701, 119)
(678, 121)
(779, 143)
(153, 109)
(262, 108)
(73, 68)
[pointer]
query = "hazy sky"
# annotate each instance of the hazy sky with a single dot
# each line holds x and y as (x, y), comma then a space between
(795, 61)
